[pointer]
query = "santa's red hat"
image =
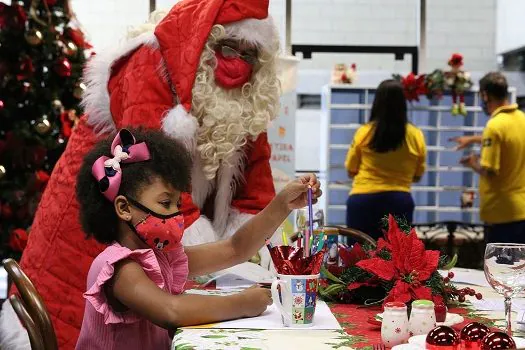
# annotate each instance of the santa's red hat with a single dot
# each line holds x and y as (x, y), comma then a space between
(180, 37)
(456, 60)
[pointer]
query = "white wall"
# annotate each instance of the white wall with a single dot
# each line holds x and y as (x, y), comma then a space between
(467, 26)
(511, 29)
(395, 22)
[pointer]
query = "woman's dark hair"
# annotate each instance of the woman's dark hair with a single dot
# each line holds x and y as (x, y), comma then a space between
(389, 117)
(169, 161)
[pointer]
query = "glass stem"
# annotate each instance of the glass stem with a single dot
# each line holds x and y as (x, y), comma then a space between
(508, 313)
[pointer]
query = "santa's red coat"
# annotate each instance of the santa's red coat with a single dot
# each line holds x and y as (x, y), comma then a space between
(58, 256)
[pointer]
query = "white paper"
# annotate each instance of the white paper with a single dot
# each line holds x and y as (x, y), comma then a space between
(271, 319)
(468, 276)
(230, 281)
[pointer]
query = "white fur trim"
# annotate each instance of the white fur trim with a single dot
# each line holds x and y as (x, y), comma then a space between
(96, 77)
(235, 220)
(201, 187)
(13, 336)
(229, 176)
(181, 125)
(261, 32)
(200, 232)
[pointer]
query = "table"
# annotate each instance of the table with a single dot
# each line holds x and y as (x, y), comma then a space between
(357, 333)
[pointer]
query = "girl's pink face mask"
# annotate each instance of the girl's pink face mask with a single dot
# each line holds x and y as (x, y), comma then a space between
(161, 232)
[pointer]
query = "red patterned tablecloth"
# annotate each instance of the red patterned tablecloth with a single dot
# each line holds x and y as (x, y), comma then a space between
(354, 320)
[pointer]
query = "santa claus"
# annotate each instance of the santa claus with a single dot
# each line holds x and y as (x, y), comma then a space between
(205, 75)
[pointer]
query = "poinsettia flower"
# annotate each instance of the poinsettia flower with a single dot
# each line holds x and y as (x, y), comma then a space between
(411, 265)
(405, 292)
(350, 256)
(413, 86)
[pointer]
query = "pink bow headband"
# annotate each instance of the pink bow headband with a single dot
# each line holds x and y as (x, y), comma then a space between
(107, 170)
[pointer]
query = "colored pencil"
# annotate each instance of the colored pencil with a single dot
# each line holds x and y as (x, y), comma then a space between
(285, 237)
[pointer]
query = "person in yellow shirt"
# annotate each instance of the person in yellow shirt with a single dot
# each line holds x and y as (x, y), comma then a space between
(386, 156)
(502, 164)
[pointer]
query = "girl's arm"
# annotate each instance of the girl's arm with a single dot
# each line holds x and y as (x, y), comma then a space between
(212, 257)
(134, 289)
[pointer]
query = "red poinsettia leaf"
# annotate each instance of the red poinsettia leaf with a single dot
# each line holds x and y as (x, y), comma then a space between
(437, 299)
(382, 244)
(381, 268)
(431, 260)
(414, 256)
(422, 293)
(400, 293)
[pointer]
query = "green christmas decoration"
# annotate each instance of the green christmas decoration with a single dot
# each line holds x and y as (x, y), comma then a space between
(42, 54)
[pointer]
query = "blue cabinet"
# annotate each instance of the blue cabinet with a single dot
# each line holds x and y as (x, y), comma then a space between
(438, 194)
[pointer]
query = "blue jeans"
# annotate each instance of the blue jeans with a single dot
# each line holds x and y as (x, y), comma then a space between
(365, 211)
(509, 232)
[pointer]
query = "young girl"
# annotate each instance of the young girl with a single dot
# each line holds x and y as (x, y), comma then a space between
(128, 189)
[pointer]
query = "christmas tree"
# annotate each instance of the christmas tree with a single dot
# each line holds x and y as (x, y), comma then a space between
(42, 53)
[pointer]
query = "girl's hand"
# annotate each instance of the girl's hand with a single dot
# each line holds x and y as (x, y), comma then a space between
(295, 196)
(254, 301)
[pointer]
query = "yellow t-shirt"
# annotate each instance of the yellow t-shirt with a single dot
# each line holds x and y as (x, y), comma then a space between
(502, 194)
(390, 171)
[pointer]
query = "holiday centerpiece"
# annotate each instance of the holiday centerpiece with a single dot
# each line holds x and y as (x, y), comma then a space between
(398, 269)
(434, 84)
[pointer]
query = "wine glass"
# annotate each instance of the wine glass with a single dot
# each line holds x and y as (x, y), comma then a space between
(505, 271)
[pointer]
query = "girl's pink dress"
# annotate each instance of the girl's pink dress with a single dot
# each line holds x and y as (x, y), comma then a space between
(103, 328)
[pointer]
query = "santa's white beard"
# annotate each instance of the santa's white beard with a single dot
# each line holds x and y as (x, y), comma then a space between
(227, 119)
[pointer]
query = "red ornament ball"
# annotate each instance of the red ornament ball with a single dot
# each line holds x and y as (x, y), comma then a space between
(497, 340)
(472, 334)
(479, 296)
(443, 337)
(451, 274)
(63, 67)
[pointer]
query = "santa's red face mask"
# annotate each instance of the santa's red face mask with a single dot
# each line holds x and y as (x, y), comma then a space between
(232, 72)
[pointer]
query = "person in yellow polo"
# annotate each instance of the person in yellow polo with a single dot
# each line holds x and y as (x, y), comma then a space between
(502, 164)
(386, 156)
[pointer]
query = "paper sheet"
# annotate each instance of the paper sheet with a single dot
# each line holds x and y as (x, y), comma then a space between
(271, 318)
(468, 276)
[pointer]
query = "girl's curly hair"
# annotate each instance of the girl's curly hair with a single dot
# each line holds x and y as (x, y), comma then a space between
(169, 161)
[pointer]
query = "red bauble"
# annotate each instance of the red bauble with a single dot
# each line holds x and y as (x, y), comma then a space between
(472, 334)
(63, 67)
(18, 240)
(443, 338)
(497, 340)
(12, 17)
(6, 211)
(77, 37)
(26, 69)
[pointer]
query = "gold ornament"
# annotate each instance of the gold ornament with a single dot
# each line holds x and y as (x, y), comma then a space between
(43, 126)
(79, 89)
(34, 37)
(57, 105)
(2, 171)
(70, 49)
